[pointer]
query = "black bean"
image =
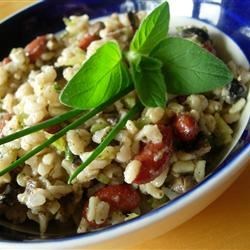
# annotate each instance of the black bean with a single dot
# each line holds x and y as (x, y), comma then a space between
(9, 194)
(133, 19)
(77, 160)
(237, 90)
(202, 34)
(194, 145)
(59, 72)
(4, 194)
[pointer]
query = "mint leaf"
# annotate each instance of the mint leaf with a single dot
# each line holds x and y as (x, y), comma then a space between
(102, 76)
(152, 30)
(149, 81)
(190, 69)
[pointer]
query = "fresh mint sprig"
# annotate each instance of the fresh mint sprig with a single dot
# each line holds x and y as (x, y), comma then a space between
(188, 68)
(102, 76)
(153, 66)
(152, 30)
(149, 81)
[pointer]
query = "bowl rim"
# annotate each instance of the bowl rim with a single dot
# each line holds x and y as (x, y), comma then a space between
(12, 15)
(232, 161)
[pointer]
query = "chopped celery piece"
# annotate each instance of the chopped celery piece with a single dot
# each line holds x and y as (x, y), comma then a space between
(57, 87)
(141, 122)
(223, 132)
(129, 101)
(21, 118)
(98, 126)
(75, 59)
(109, 153)
(131, 216)
(103, 179)
(68, 154)
(59, 145)
(155, 203)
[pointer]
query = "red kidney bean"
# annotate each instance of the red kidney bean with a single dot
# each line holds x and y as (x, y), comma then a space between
(185, 127)
(87, 40)
(155, 158)
(6, 60)
(53, 129)
(120, 197)
(35, 48)
(209, 47)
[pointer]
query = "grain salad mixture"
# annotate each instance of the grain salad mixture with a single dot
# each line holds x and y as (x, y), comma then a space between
(158, 155)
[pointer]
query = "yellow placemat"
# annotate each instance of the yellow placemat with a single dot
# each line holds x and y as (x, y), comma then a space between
(224, 225)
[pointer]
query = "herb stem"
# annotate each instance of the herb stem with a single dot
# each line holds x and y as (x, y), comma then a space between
(63, 131)
(43, 125)
(111, 135)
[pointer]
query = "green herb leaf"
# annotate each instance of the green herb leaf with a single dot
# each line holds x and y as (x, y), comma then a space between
(102, 76)
(149, 81)
(190, 69)
(152, 30)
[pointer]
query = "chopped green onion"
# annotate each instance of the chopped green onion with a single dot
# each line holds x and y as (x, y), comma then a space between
(103, 179)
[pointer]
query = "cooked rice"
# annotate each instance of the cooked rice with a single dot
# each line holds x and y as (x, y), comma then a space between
(29, 95)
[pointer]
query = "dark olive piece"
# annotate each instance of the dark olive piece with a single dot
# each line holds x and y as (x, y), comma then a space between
(133, 19)
(237, 90)
(201, 33)
(9, 194)
(59, 72)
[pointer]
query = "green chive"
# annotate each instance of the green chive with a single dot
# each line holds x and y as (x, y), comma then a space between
(62, 132)
(43, 125)
(111, 135)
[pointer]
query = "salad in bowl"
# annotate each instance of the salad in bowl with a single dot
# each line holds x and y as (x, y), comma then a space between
(112, 118)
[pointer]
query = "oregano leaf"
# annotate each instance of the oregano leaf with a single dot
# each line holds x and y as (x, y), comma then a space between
(149, 81)
(190, 69)
(102, 76)
(152, 30)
